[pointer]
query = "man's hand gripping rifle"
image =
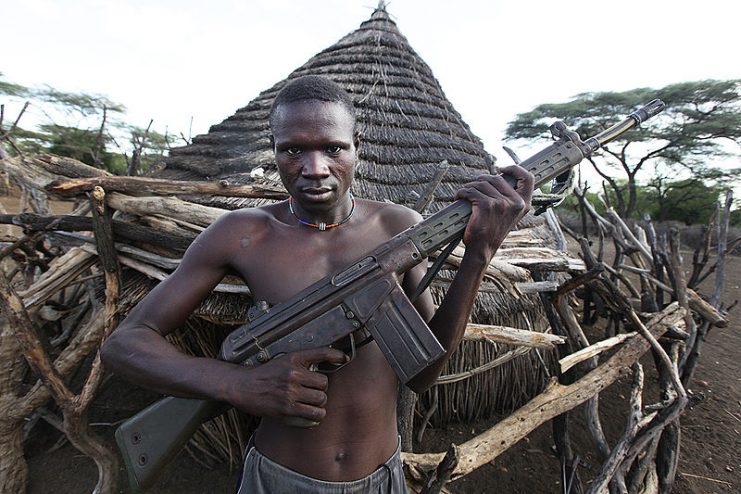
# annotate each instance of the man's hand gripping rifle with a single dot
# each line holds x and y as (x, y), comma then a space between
(365, 294)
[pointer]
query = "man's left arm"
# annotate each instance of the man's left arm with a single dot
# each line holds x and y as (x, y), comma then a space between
(496, 208)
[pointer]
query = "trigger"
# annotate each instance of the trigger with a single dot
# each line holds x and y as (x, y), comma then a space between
(329, 367)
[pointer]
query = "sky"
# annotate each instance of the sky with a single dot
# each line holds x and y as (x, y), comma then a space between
(173, 61)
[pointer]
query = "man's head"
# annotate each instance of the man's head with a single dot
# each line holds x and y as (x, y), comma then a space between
(312, 87)
(315, 144)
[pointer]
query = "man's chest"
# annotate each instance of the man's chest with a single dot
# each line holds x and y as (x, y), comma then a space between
(286, 263)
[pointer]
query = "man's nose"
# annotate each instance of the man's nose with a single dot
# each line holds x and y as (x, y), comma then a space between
(315, 165)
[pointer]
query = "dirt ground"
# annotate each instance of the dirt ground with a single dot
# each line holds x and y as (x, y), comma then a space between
(710, 451)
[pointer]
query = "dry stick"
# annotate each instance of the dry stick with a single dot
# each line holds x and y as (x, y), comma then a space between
(688, 369)
(428, 414)
(609, 468)
(12, 247)
(683, 474)
(629, 235)
(23, 329)
(157, 186)
(112, 273)
(512, 336)
(500, 360)
(644, 464)
(424, 201)
(698, 263)
(24, 332)
(560, 424)
(555, 400)
(658, 266)
(158, 274)
(136, 154)
(591, 351)
(650, 434)
(591, 411)
(669, 432)
(680, 289)
(696, 302)
(99, 142)
(441, 475)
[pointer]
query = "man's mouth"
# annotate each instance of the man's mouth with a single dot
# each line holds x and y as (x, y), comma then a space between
(316, 190)
(317, 193)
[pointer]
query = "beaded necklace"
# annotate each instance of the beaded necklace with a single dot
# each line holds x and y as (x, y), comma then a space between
(322, 226)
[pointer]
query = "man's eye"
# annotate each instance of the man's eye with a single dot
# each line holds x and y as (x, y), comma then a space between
(293, 151)
(334, 149)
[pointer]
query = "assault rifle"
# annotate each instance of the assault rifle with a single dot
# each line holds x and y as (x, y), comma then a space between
(363, 295)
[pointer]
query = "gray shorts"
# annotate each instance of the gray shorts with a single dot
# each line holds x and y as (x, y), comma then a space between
(261, 475)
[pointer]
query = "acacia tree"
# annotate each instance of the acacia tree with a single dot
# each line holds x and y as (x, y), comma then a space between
(86, 127)
(700, 125)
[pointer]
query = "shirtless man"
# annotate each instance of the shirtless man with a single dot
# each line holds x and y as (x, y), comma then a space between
(279, 250)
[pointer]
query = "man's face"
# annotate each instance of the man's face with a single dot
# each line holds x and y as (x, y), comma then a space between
(315, 149)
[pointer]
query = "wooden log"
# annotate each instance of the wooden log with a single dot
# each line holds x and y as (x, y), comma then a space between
(169, 206)
(122, 230)
(498, 268)
(103, 227)
(62, 270)
(555, 400)
(64, 166)
(591, 351)
(25, 173)
(537, 286)
(512, 336)
(541, 259)
(137, 186)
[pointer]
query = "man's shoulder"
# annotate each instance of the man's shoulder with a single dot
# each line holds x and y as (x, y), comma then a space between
(241, 222)
(394, 217)
(258, 216)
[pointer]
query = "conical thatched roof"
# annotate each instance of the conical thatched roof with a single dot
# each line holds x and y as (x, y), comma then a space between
(408, 125)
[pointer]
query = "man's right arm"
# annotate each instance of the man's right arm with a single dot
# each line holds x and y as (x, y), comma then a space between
(139, 352)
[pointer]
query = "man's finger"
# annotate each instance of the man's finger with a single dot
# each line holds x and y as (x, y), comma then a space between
(310, 412)
(313, 397)
(523, 178)
(316, 355)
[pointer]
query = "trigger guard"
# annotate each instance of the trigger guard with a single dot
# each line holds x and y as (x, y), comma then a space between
(329, 368)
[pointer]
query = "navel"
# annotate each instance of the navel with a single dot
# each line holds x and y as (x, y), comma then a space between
(341, 456)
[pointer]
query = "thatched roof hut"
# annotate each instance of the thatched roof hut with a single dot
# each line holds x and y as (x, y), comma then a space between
(408, 128)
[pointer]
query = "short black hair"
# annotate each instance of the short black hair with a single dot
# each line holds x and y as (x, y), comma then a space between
(312, 87)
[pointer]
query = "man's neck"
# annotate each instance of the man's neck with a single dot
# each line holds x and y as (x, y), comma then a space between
(322, 220)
